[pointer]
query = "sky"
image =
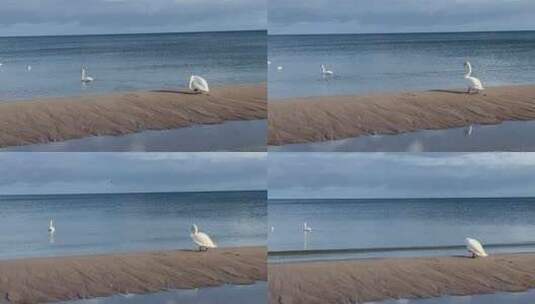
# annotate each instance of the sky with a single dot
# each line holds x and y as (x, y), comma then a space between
(400, 175)
(68, 17)
(62, 173)
(390, 16)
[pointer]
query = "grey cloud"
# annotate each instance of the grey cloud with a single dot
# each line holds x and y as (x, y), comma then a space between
(105, 16)
(130, 172)
(354, 16)
(365, 175)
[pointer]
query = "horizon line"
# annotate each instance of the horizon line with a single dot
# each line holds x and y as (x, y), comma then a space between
(399, 33)
(395, 198)
(139, 33)
(135, 192)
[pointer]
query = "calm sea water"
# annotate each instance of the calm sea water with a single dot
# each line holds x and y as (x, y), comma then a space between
(127, 62)
(103, 223)
(253, 294)
(515, 136)
(380, 223)
(498, 298)
(397, 62)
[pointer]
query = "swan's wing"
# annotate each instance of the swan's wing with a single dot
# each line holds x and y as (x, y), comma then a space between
(475, 83)
(202, 239)
(475, 247)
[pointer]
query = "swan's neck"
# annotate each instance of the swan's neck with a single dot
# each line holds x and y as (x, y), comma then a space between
(469, 72)
(83, 73)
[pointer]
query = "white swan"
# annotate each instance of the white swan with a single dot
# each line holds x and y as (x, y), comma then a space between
(197, 83)
(280, 68)
(201, 239)
(269, 62)
(474, 84)
(326, 72)
(306, 228)
(85, 78)
(51, 227)
(28, 68)
(475, 248)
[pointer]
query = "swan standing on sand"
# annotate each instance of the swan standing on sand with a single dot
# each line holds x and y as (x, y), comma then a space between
(198, 84)
(306, 228)
(51, 227)
(475, 248)
(326, 72)
(201, 239)
(474, 84)
(85, 77)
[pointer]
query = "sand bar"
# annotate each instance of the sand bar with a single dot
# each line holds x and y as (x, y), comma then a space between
(58, 119)
(39, 280)
(317, 119)
(359, 281)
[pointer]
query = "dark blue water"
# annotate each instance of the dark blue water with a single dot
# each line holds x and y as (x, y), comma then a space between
(103, 223)
(387, 223)
(397, 62)
(128, 62)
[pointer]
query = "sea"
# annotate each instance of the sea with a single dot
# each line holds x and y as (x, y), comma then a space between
(354, 228)
(374, 63)
(129, 62)
(115, 223)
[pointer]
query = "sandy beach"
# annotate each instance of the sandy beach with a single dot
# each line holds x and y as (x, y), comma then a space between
(315, 119)
(58, 119)
(359, 281)
(63, 278)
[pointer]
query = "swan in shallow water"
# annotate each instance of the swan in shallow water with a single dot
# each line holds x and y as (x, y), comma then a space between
(475, 248)
(326, 72)
(306, 228)
(51, 227)
(280, 68)
(474, 84)
(202, 239)
(468, 130)
(28, 68)
(197, 83)
(85, 77)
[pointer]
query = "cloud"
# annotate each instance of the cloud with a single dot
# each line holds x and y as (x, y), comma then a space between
(397, 175)
(36, 17)
(31, 173)
(358, 16)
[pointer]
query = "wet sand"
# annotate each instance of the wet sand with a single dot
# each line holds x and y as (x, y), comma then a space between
(315, 119)
(51, 120)
(359, 281)
(67, 278)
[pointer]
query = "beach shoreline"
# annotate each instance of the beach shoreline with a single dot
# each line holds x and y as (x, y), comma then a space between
(58, 119)
(52, 279)
(368, 280)
(316, 119)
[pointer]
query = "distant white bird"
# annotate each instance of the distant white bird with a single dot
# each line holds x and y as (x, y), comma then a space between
(1, 64)
(280, 68)
(269, 62)
(201, 239)
(326, 72)
(474, 84)
(272, 228)
(197, 83)
(51, 227)
(28, 68)
(475, 248)
(85, 78)
(468, 130)
(306, 228)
